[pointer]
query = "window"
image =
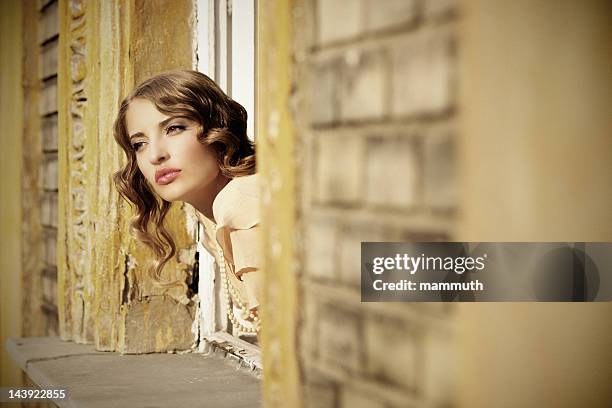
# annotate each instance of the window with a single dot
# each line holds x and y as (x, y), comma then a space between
(226, 53)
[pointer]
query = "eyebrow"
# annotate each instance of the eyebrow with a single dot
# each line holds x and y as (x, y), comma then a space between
(159, 125)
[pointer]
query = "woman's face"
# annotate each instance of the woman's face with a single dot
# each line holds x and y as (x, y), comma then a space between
(176, 165)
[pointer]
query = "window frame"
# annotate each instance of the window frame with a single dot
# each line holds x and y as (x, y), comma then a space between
(220, 43)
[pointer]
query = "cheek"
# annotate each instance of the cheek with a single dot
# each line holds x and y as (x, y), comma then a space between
(202, 157)
(209, 164)
(144, 168)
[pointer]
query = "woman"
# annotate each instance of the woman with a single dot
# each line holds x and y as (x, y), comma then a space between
(185, 140)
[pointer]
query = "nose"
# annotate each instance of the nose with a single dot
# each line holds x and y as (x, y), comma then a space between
(157, 152)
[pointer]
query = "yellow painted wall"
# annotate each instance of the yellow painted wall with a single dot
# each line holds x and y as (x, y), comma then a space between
(536, 97)
(120, 44)
(11, 113)
(276, 164)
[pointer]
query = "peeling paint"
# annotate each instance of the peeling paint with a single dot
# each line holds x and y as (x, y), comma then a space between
(104, 51)
(187, 255)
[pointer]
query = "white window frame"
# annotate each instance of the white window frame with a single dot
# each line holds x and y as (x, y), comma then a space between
(226, 53)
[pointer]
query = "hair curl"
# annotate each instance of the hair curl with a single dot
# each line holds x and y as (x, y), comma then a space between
(222, 126)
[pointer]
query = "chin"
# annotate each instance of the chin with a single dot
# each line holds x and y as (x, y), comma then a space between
(171, 199)
(171, 196)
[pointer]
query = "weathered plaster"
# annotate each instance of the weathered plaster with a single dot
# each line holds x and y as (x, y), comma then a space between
(106, 48)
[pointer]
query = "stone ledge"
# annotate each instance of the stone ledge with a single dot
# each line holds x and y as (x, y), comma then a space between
(96, 379)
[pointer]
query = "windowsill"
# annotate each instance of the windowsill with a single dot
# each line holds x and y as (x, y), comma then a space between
(235, 348)
(101, 379)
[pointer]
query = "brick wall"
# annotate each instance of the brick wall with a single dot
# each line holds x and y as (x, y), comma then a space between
(375, 112)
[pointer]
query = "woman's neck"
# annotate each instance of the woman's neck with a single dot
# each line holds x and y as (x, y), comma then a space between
(205, 198)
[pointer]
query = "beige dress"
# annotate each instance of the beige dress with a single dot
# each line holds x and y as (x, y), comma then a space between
(236, 212)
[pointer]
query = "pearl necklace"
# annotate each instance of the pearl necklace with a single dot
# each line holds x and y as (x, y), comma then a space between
(228, 292)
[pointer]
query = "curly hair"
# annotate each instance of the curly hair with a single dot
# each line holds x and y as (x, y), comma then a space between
(222, 126)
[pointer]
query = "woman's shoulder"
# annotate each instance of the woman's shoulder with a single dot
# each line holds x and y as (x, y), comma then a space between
(237, 204)
(246, 185)
(238, 188)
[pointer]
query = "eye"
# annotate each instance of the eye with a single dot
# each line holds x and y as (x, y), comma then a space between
(137, 146)
(175, 128)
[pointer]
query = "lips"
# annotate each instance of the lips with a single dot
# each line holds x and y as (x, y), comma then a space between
(166, 176)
